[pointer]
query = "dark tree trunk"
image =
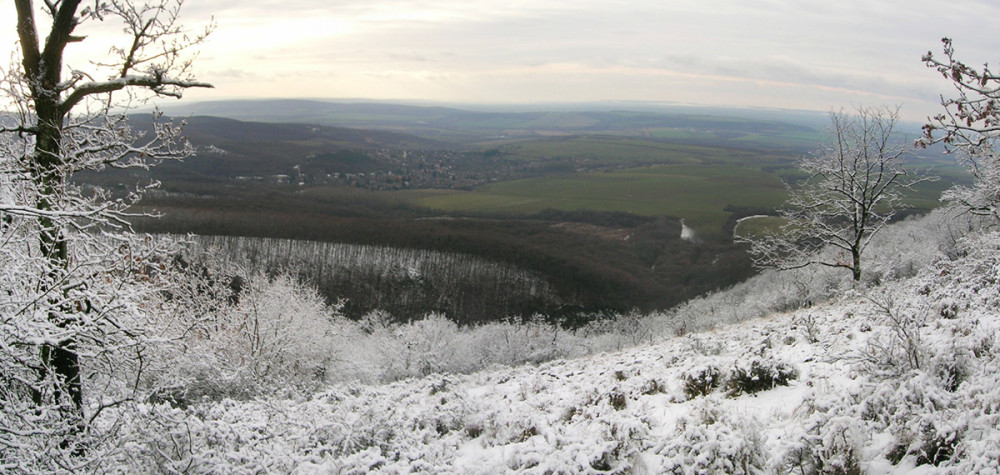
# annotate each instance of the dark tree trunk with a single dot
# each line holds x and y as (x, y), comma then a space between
(43, 67)
(856, 264)
(61, 359)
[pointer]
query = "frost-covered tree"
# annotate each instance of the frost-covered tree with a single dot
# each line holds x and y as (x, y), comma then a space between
(70, 267)
(969, 127)
(853, 189)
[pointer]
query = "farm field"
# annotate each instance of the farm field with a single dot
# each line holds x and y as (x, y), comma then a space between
(698, 184)
(697, 193)
(617, 150)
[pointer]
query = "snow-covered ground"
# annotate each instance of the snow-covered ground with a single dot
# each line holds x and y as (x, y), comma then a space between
(898, 378)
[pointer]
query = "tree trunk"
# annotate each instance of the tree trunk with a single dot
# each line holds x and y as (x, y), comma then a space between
(63, 362)
(59, 360)
(856, 267)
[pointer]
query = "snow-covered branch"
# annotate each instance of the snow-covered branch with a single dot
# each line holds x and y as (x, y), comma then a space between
(73, 289)
(969, 126)
(159, 85)
(853, 190)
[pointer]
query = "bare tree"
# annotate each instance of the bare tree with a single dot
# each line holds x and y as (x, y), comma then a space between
(69, 260)
(969, 127)
(852, 191)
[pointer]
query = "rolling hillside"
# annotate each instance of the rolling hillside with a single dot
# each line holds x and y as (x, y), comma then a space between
(898, 377)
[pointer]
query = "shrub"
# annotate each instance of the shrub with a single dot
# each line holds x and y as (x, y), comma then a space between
(761, 375)
(701, 381)
(900, 346)
(711, 441)
(839, 447)
(951, 371)
(278, 336)
(896, 454)
(809, 325)
(936, 446)
(652, 386)
(617, 400)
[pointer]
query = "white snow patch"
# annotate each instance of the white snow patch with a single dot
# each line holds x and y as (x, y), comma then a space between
(687, 233)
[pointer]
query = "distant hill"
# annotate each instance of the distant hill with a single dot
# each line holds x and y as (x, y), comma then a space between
(276, 140)
(229, 148)
(219, 130)
(467, 126)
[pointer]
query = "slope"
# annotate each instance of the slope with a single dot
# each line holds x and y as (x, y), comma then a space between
(892, 379)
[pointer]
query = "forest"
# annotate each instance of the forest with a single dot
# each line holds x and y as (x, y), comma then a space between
(594, 262)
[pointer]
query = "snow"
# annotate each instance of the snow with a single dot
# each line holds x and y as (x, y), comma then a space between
(627, 411)
(687, 233)
(899, 377)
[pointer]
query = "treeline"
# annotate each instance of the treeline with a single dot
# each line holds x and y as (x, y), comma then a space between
(405, 283)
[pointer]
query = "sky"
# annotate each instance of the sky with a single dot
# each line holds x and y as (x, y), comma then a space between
(790, 54)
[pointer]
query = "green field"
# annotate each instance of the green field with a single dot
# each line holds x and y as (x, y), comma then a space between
(697, 193)
(616, 150)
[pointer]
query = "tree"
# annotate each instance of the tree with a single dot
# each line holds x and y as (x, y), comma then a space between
(852, 191)
(69, 261)
(969, 127)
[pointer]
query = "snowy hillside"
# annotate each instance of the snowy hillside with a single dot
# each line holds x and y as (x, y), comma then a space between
(898, 378)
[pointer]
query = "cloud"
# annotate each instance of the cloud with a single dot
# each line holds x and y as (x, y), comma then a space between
(753, 51)
(234, 74)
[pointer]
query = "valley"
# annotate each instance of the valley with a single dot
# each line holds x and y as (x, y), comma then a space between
(515, 188)
(529, 237)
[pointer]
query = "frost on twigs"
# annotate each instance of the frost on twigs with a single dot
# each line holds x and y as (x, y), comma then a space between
(970, 128)
(74, 274)
(853, 187)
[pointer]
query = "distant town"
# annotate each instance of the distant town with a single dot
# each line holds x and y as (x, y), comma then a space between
(392, 169)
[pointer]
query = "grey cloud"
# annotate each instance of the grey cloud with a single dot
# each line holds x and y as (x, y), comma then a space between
(854, 45)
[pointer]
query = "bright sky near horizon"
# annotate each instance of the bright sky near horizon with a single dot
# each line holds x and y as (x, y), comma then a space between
(796, 54)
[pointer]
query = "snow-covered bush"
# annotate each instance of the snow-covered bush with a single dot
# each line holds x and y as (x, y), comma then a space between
(271, 334)
(41, 427)
(285, 333)
(618, 331)
(935, 375)
(830, 439)
(701, 381)
(937, 443)
(422, 347)
(711, 441)
(766, 293)
(902, 249)
(385, 351)
(520, 340)
(760, 375)
(829, 449)
(895, 346)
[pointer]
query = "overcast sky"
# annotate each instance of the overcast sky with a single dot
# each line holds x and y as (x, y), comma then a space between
(800, 54)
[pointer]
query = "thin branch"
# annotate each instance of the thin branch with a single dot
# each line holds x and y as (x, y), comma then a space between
(154, 83)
